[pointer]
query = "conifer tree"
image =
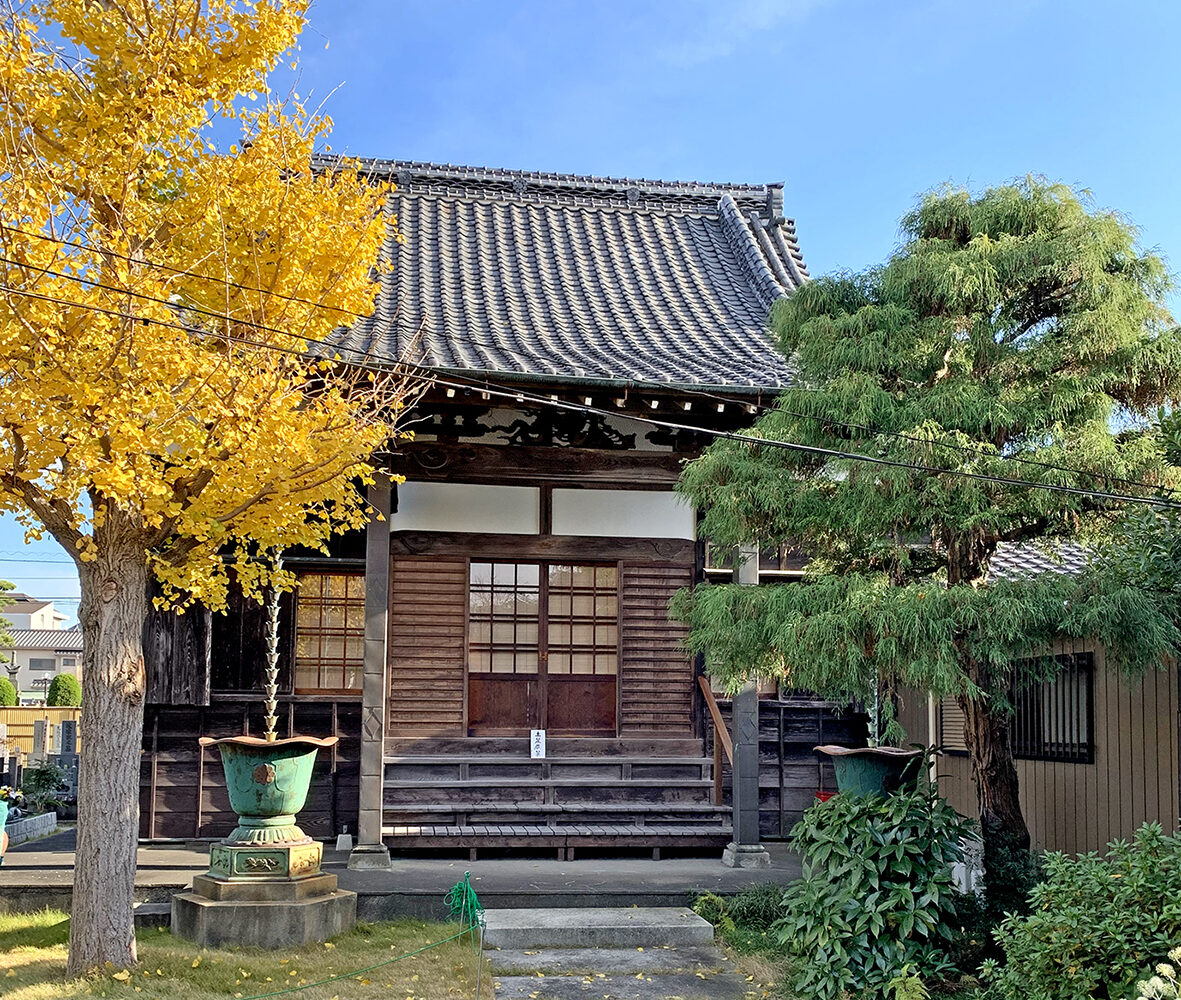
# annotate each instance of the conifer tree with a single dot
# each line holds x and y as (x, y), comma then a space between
(1002, 339)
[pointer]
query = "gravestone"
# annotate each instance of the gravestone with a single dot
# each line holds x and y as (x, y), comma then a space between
(57, 739)
(68, 747)
(39, 736)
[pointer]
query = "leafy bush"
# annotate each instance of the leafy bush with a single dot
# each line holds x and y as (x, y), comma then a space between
(40, 786)
(1095, 923)
(64, 691)
(876, 902)
(745, 920)
(8, 696)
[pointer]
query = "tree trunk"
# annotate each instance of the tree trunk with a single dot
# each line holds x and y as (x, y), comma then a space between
(112, 613)
(1008, 866)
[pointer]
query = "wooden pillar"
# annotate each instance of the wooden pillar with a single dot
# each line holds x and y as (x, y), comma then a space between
(371, 851)
(744, 851)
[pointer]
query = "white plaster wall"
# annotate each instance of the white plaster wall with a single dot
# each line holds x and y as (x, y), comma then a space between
(623, 513)
(25, 674)
(466, 507)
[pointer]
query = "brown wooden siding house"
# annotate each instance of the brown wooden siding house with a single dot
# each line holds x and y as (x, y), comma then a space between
(522, 578)
(1096, 752)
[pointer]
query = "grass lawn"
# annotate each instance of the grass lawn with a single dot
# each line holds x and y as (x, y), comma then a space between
(33, 963)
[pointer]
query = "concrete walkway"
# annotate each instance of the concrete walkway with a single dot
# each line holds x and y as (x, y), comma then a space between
(40, 874)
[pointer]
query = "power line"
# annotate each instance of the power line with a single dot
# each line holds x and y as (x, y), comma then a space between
(493, 389)
(977, 451)
(107, 252)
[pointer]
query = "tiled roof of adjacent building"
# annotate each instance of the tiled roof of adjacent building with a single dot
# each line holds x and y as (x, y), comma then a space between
(1016, 562)
(61, 640)
(21, 604)
(562, 277)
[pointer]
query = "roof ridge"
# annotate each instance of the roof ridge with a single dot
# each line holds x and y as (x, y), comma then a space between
(640, 192)
(545, 176)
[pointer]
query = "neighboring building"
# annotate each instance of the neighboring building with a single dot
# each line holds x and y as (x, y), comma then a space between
(532, 551)
(37, 655)
(23, 611)
(1097, 753)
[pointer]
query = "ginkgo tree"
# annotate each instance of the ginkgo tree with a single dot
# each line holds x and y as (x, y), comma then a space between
(165, 408)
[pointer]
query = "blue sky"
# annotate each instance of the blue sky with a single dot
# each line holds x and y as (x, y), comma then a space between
(857, 105)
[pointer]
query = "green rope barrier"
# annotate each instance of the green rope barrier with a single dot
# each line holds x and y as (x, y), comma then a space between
(462, 904)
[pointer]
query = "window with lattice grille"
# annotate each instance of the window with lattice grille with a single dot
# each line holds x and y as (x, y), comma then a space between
(1052, 719)
(329, 632)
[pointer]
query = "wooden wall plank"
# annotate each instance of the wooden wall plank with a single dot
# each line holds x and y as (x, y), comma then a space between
(427, 646)
(657, 677)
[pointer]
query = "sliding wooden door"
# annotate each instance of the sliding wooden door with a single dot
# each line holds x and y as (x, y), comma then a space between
(543, 648)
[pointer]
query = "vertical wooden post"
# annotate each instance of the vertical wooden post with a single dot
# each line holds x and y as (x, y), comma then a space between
(370, 851)
(744, 851)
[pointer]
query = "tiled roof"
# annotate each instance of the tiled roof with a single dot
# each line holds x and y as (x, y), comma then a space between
(556, 276)
(62, 640)
(22, 604)
(1016, 562)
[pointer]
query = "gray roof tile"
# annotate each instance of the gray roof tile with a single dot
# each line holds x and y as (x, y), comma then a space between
(1017, 562)
(62, 640)
(565, 277)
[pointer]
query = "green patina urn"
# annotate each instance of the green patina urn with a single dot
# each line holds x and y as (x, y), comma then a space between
(268, 784)
(873, 770)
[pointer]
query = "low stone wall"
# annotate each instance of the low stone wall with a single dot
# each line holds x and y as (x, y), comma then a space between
(20, 830)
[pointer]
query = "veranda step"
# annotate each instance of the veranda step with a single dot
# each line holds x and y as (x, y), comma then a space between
(510, 758)
(634, 927)
(573, 808)
(530, 830)
(556, 746)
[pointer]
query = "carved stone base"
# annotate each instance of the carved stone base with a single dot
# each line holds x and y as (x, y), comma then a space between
(266, 923)
(258, 861)
(269, 897)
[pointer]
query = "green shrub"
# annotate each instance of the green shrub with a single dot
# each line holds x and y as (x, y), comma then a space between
(757, 907)
(745, 920)
(64, 691)
(1095, 923)
(40, 786)
(8, 696)
(876, 902)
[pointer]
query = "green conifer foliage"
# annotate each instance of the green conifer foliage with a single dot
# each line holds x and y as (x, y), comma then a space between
(1002, 338)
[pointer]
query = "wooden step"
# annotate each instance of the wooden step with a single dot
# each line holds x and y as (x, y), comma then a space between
(623, 807)
(511, 759)
(549, 832)
(477, 791)
(564, 839)
(556, 746)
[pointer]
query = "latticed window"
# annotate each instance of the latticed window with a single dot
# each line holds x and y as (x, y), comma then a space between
(1052, 719)
(329, 632)
(520, 612)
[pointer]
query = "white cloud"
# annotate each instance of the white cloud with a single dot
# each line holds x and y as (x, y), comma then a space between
(724, 27)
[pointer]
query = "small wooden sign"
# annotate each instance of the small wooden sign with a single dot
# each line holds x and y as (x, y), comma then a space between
(537, 743)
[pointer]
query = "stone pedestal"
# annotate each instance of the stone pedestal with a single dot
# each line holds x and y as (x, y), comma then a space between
(745, 856)
(268, 896)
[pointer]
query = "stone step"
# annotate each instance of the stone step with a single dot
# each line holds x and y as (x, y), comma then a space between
(633, 927)
(601, 962)
(656, 986)
(153, 914)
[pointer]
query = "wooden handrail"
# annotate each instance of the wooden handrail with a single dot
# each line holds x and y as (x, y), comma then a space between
(716, 714)
(721, 737)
